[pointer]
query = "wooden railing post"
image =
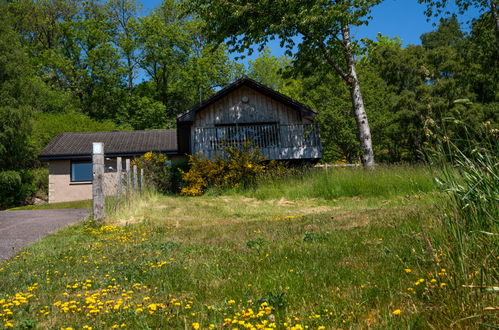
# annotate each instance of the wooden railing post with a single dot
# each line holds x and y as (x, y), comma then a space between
(128, 182)
(98, 181)
(119, 174)
(135, 178)
(141, 179)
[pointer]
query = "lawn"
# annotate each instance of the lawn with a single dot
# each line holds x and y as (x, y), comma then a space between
(246, 259)
(63, 205)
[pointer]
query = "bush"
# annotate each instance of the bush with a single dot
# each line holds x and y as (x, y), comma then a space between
(15, 188)
(41, 182)
(161, 175)
(236, 167)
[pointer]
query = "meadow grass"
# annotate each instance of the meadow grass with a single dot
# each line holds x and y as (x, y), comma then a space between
(384, 182)
(234, 261)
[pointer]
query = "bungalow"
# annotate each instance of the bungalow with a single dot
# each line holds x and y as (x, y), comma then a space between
(246, 110)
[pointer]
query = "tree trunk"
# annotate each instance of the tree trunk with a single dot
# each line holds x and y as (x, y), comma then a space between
(359, 111)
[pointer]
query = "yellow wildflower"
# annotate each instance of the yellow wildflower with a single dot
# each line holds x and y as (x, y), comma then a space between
(397, 312)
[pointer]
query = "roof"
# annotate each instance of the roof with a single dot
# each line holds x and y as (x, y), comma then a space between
(117, 143)
(305, 111)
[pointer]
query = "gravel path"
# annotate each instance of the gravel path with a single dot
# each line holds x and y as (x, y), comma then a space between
(21, 228)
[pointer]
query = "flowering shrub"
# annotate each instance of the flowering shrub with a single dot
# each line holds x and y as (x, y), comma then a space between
(236, 167)
(156, 170)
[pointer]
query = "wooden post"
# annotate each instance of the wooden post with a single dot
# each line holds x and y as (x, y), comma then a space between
(127, 173)
(141, 179)
(135, 179)
(98, 181)
(119, 172)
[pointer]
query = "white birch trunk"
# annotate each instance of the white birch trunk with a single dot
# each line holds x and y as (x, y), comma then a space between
(359, 111)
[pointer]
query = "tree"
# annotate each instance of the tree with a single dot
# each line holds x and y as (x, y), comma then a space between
(269, 69)
(123, 15)
(439, 7)
(16, 85)
(316, 31)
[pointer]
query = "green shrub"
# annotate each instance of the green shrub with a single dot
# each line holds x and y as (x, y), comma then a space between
(15, 188)
(41, 182)
(160, 174)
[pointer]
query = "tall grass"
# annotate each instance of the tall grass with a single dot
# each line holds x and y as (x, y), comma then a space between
(469, 173)
(383, 182)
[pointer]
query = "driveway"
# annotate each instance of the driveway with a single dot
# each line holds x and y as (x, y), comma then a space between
(21, 228)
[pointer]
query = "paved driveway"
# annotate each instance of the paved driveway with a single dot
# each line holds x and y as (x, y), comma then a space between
(23, 227)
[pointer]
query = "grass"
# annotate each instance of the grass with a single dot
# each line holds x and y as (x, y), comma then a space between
(384, 182)
(64, 205)
(233, 260)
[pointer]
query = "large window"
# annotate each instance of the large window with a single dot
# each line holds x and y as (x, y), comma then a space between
(260, 135)
(81, 171)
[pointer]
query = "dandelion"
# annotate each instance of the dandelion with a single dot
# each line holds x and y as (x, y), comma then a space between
(8, 324)
(232, 301)
(397, 312)
(195, 325)
(408, 270)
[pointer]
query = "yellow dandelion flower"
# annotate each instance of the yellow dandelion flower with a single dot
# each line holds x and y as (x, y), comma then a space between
(397, 312)
(408, 270)
(195, 325)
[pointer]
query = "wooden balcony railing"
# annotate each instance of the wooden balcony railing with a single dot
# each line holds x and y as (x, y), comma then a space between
(264, 136)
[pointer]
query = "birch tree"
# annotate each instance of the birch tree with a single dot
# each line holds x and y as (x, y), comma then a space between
(310, 30)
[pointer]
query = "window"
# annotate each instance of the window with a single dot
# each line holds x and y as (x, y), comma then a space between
(81, 171)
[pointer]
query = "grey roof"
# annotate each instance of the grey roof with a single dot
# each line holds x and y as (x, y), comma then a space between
(117, 143)
(304, 110)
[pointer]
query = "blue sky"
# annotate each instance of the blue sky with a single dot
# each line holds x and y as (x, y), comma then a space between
(402, 18)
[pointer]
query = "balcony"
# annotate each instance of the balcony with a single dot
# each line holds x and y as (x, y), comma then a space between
(297, 141)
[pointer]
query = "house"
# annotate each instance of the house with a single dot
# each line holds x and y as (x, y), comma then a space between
(246, 110)
(69, 158)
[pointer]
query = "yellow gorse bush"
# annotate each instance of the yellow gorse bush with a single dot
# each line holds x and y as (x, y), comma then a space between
(235, 167)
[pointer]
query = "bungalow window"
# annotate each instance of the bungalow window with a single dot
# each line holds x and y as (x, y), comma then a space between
(81, 171)
(260, 135)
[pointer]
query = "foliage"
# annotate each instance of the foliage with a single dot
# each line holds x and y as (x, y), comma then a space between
(235, 167)
(156, 170)
(143, 113)
(47, 126)
(15, 188)
(470, 176)
(268, 69)
(41, 183)
(16, 150)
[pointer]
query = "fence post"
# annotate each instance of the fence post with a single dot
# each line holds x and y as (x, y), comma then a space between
(141, 179)
(98, 181)
(135, 178)
(119, 173)
(127, 174)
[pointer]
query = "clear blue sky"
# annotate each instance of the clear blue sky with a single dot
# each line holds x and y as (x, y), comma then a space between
(402, 18)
